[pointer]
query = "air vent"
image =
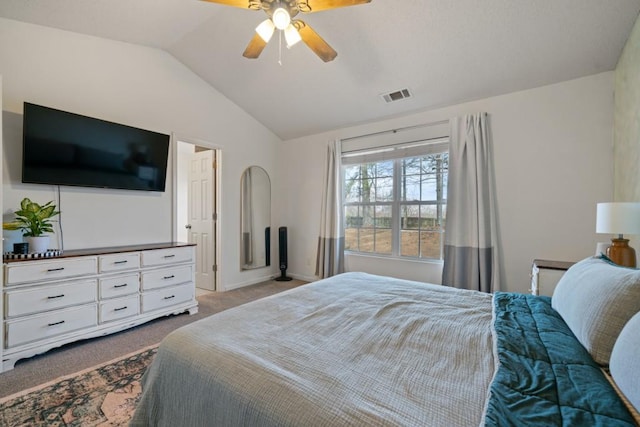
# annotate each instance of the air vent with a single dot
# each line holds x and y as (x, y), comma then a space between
(396, 96)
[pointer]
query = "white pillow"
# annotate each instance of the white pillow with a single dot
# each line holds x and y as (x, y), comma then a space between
(596, 298)
(625, 361)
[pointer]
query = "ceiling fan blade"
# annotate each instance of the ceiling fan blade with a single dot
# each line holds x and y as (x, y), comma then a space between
(315, 42)
(245, 4)
(255, 47)
(308, 6)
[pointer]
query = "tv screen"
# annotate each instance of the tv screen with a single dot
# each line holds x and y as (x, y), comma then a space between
(63, 148)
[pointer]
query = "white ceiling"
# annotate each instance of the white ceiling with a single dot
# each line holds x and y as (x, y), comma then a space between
(444, 51)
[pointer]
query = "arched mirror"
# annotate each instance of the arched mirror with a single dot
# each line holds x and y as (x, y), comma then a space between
(255, 218)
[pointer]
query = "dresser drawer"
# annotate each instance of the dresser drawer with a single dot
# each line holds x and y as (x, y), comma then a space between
(163, 298)
(118, 286)
(167, 256)
(166, 277)
(47, 325)
(49, 297)
(119, 262)
(119, 308)
(33, 271)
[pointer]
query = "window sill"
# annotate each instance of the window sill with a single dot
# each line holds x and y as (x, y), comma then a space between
(394, 258)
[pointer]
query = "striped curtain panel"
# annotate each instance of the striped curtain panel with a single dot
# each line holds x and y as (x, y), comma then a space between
(471, 243)
(330, 257)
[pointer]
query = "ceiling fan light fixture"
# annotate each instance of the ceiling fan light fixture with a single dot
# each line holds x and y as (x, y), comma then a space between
(292, 36)
(281, 18)
(265, 30)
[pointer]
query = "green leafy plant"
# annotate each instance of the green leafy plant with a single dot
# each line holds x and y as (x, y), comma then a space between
(34, 219)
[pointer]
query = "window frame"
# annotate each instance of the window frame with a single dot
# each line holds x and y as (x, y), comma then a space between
(397, 203)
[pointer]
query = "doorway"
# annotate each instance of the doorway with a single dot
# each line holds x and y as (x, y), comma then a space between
(196, 206)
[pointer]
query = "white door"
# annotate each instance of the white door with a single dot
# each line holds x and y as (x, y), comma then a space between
(201, 211)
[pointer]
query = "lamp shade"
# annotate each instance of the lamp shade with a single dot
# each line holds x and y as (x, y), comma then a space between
(291, 35)
(265, 30)
(618, 218)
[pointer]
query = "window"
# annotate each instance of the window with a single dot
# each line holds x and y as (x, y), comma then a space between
(395, 200)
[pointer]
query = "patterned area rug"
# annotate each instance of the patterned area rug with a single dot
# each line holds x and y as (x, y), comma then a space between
(104, 395)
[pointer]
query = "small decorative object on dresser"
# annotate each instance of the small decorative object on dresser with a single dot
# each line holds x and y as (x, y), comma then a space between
(545, 275)
(35, 220)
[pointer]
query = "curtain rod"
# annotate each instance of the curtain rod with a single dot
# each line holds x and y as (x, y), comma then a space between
(441, 122)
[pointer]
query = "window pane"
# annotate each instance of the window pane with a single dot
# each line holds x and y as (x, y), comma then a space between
(366, 240)
(383, 216)
(409, 217)
(352, 184)
(351, 239)
(409, 243)
(352, 216)
(383, 241)
(428, 188)
(384, 189)
(429, 217)
(411, 166)
(419, 200)
(367, 216)
(430, 244)
(384, 169)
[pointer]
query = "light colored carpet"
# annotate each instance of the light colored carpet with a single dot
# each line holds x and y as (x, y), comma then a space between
(81, 355)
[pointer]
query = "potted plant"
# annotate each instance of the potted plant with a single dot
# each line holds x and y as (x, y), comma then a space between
(34, 220)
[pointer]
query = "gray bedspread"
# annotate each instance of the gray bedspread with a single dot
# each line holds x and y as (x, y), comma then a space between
(355, 349)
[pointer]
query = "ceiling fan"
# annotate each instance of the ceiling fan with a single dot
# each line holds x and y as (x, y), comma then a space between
(280, 14)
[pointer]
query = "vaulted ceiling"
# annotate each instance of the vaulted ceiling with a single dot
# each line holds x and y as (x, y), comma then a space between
(443, 51)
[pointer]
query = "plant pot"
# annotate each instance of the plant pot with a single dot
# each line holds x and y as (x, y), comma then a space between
(38, 244)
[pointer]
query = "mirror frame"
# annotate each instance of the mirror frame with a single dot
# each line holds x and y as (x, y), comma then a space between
(255, 215)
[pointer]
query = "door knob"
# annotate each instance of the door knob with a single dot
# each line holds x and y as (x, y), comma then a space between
(188, 226)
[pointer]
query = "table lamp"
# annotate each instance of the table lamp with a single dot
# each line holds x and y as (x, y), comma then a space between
(619, 218)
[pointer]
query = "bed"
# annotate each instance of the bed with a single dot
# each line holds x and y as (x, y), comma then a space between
(364, 350)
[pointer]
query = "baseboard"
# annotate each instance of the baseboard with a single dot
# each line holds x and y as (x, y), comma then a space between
(267, 278)
(303, 277)
(249, 282)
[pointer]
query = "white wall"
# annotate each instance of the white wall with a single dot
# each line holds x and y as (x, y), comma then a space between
(140, 87)
(553, 158)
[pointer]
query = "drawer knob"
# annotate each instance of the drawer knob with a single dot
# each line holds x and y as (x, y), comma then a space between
(120, 286)
(120, 308)
(55, 269)
(55, 296)
(169, 277)
(172, 296)
(56, 323)
(169, 256)
(121, 262)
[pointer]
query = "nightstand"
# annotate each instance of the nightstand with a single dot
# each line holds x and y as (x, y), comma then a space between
(545, 275)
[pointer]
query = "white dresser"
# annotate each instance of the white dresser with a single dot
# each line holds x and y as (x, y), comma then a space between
(89, 293)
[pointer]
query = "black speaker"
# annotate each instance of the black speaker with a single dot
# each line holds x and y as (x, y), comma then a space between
(267, 245)
(282, 251)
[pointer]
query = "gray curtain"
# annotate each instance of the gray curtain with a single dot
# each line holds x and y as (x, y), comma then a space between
(330, 256)
(471, 243)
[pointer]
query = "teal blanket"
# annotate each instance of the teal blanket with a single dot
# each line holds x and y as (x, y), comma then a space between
(545, 377)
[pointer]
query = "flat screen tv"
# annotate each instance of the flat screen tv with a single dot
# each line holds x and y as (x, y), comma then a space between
(63, 148)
